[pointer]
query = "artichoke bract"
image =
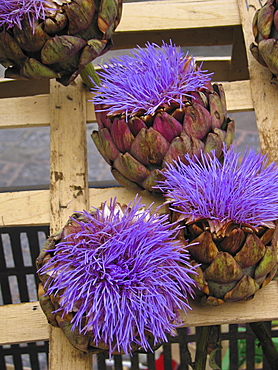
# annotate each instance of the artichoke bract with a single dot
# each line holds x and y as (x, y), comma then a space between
(153, 107)
(109, 272)
(43, 39)
(265, 31)
(230, 211)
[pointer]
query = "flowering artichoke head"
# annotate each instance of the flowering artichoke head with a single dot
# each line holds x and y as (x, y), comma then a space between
(152, 108)
(43, 39)
(108, 272)
(265, 31)
(230, 211)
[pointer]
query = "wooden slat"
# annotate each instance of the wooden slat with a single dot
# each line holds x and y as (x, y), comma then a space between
(25, 111)
(24, 208)
(178, 14)
(264, 91)
(178, 20)
(220, 66)
(238, 96)
(33, 111)
(68, 190)
(17, 88)
(184, 37)
(25, 322)
(32, 207)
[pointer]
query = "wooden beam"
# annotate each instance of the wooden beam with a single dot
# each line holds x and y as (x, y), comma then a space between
(34, 327)
(178, 14)
(68, 190)
(183, 37)
(32, 207)
(264, 91)
(17, 88)
(27, 111)
(33, 111)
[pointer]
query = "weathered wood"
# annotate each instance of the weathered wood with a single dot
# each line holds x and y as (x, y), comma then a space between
(264, 91)
(32, 207)
(184, 37)
(239, 65)
(34, 326)
(33, 111)
(17, 88)
(178, 14)
(24, 208)
(153, 22)
(27, 111)
(238, 96)
(68, 190)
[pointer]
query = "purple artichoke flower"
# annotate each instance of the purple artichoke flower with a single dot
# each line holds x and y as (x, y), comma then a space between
(12, 12)
(230, 211)
(152, 77)
(242, 191)
(45, 39)
(122, 274)
(153, 107)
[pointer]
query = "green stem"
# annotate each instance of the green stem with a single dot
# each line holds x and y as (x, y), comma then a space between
(201, 348)
(87, 72)
(266, 342)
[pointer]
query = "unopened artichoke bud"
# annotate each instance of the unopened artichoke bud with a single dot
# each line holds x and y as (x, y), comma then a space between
(229, 211)
(152, 108)
(43, 39)
(109, 272)
(265, 31)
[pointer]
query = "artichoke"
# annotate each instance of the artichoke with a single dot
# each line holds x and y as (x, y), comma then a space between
(229, 212)
(265, 31)
(43, 39)
(108, 272)
(153, 107)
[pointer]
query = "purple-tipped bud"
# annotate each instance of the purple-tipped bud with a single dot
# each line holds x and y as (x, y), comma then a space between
(118, 277)
(233, 191)
(150, 78)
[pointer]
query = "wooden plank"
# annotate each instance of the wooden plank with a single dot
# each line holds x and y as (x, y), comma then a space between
(264, 92)
(33, 111)
(21, 88)
(184, 37)
(34, 327)
(178, 14)
(238, 96)
(24, 208)
(68, 190)
(28, 111)
(14, 88)
(32, 207)
(23, 322)
(239, 64)
(179, 21)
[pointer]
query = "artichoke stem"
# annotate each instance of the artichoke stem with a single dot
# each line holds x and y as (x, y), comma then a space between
(266, 342)
(201, 348)
(89, 76)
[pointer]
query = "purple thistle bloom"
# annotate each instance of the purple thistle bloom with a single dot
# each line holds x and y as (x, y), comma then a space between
(151, 78)
(123, 271)
(242, 191)
(12, 12)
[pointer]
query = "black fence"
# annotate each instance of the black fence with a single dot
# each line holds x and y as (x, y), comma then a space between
(19, 248)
